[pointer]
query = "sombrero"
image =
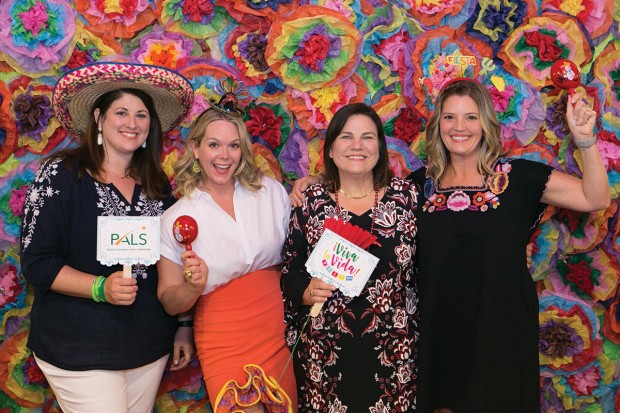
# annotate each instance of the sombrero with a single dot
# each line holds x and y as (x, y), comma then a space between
(76, 92)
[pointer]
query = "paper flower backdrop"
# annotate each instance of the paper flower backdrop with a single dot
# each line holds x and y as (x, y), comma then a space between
(300, 61)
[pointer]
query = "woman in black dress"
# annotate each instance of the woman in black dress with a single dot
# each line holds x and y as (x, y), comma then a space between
(478, 304)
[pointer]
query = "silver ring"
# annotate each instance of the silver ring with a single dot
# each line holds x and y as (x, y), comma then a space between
(312, 292)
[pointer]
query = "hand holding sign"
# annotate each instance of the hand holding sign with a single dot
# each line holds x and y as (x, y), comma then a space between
(338, 259)
(127, 241)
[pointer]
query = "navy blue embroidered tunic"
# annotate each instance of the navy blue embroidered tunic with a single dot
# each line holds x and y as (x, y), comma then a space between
(478, 348)
(60, 228)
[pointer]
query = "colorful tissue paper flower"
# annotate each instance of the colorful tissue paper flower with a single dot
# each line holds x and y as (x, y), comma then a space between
(155, 46)
(314, 110)
(268, 125)
(36, 36)
(545, 243)
(401, 160)
(407, 125)
(267, 162)
(569, 338)
(20, 377)
(432, 13)
(8, 128)
(518, 105)
(245, 48)
(243, 10)
(198, 19)
(13, 187)
(39, 131)
(111, 19)
(607, 70)
(88, 49)
(493, 21)
(383, 40)
(315, 153)
(595, 15)
(294, 155)
(182, 390)
(584, 231)
(432, 59)
(533, 47)
(577, 392)
(14, 298)
(590, 276)
(312, 48)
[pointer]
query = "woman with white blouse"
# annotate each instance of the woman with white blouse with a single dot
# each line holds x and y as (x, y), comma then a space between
(232, 273)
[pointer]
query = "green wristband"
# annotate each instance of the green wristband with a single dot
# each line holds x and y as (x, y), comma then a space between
(185, 323)
(101, 288)
(93, 291)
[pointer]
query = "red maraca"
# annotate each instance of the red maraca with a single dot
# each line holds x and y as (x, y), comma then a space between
(185, 230)
(565, 75)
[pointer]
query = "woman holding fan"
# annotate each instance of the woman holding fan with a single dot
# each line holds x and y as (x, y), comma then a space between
(232, 275)
(358, 354)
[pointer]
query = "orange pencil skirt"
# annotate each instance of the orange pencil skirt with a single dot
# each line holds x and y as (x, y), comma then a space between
(241, 324)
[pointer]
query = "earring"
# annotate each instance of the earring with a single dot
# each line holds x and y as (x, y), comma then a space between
(99, 137)
(144, 144)
(195, 167)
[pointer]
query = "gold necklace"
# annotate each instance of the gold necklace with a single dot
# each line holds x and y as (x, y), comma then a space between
(355, 197)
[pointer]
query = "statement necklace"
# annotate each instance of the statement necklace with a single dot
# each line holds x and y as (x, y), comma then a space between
(372, 211)
(354, 197)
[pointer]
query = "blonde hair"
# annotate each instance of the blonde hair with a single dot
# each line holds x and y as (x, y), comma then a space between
(490, 145)
(247, 173)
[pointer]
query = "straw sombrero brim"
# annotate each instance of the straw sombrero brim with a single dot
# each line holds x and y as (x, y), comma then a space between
(76, 92)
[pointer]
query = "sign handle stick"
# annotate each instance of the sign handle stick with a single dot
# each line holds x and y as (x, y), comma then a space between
(126, 271)
(316, 309)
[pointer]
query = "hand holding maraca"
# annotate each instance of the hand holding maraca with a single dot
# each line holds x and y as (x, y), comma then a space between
(581, 120)
(195, 270)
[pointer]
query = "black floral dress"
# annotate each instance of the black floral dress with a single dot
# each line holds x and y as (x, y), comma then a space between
(359, 354)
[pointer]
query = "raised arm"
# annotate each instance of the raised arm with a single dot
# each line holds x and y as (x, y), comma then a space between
(591, 193)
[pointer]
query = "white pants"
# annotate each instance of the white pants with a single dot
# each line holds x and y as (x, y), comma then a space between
(110, 391)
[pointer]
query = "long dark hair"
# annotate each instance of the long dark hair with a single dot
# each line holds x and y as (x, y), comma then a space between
(381, 172)
(145, 165)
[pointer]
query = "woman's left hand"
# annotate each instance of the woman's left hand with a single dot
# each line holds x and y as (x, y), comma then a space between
(580, 118)
(183, 348)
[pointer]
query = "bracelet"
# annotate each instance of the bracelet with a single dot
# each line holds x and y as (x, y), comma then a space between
(586, 143)
(185, 323)
(93, 290)
(96, 289)
(101, 288)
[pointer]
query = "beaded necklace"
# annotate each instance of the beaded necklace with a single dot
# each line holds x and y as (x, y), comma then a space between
(372, 211)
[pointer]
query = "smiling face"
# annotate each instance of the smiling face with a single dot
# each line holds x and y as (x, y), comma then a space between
(124, 125)
(460, 127)
(355, 151)
(218, 153)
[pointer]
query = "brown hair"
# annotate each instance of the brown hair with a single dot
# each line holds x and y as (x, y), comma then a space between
(381, 172)
(490, 145)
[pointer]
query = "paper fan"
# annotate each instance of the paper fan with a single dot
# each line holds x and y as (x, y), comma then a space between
(350, 232)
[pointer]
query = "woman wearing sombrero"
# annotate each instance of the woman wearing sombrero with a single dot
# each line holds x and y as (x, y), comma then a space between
(101, 340)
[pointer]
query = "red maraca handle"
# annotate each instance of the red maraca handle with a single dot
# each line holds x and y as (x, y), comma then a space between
(185, 230)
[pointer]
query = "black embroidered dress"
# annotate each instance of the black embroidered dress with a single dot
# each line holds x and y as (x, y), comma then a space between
(60, 228)
(358, 355)
(478, 347)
